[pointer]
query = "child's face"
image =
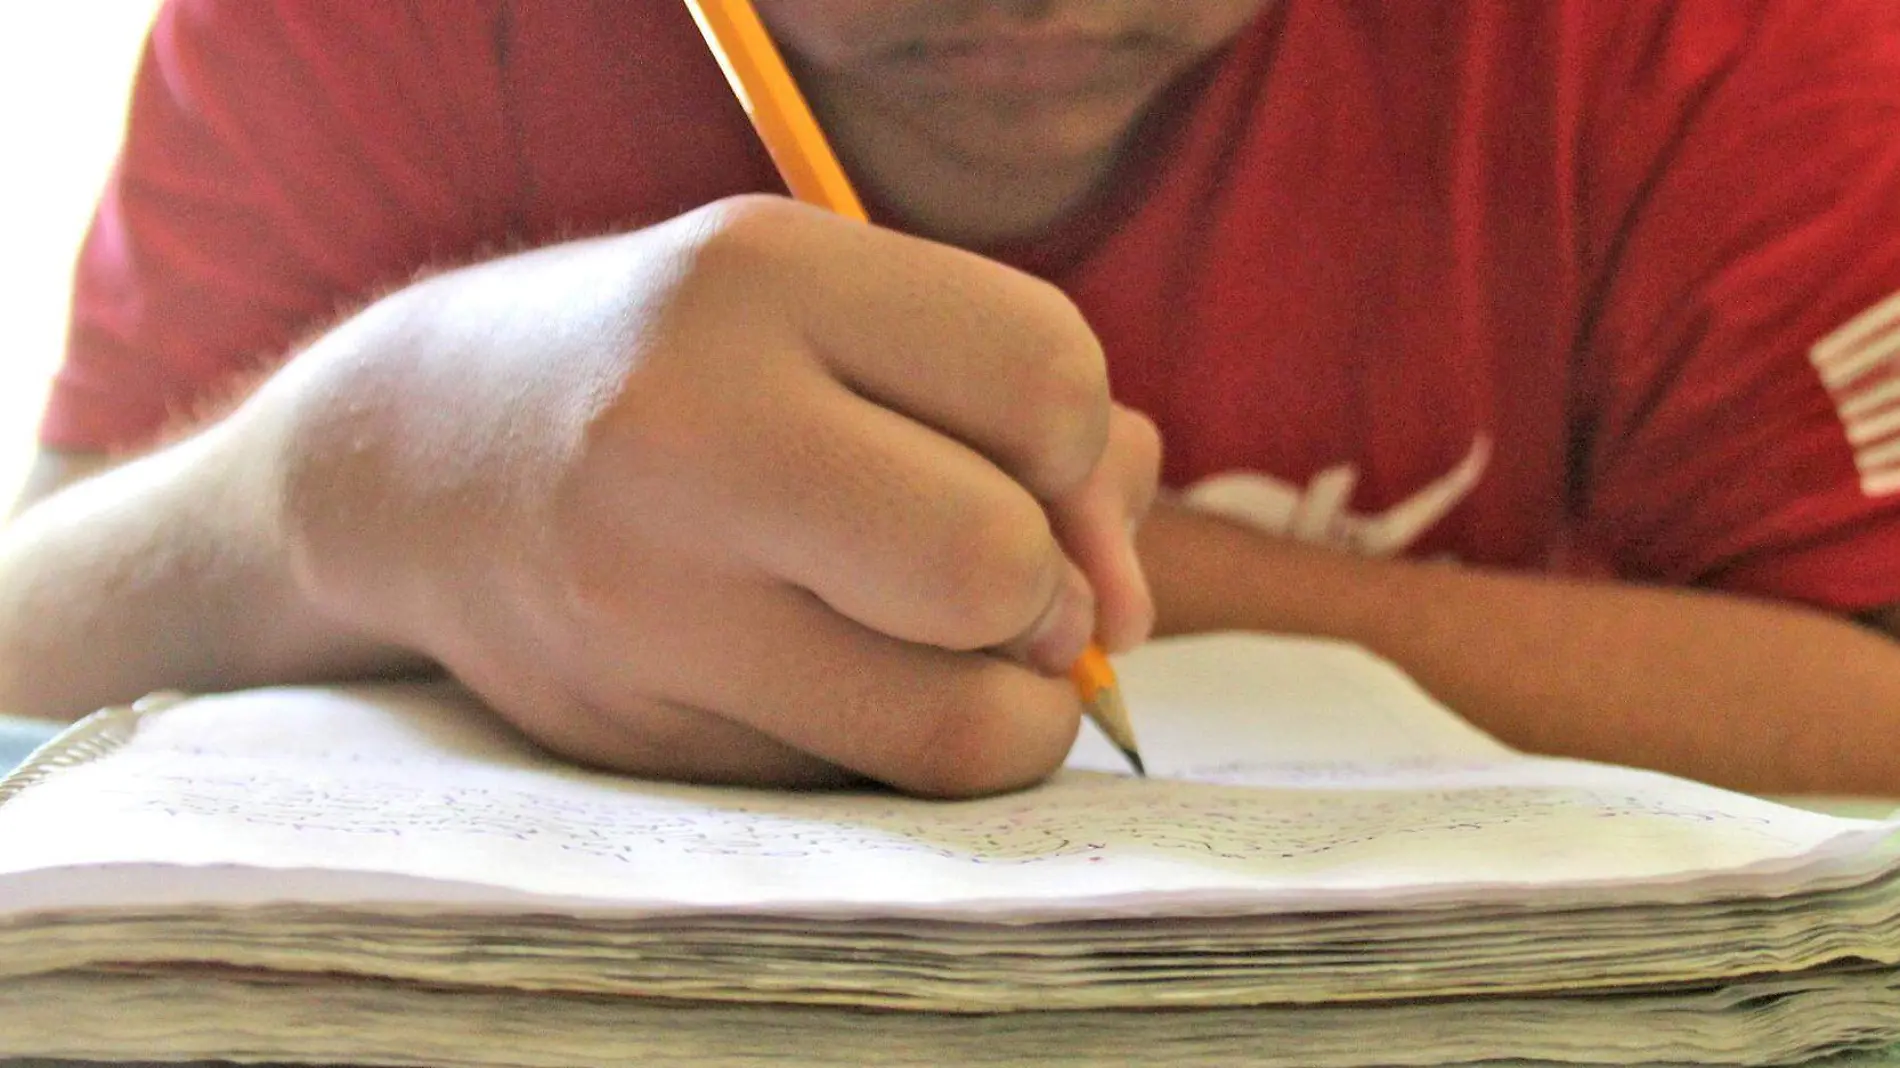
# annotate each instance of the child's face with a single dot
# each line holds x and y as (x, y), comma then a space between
(1002, 81)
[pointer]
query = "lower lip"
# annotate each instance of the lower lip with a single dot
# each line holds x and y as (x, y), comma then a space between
(1026, 66)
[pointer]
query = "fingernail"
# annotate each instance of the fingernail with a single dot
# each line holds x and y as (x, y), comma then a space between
(1065, 629)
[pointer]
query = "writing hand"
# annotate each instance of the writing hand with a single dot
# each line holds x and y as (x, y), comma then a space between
(752, 495)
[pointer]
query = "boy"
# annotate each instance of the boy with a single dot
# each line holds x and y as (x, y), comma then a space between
(1545, 348)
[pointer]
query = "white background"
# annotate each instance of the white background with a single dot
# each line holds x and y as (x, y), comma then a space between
(64, 71)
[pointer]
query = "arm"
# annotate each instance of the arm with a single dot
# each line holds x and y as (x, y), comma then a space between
(656, 534)
(239, 214)
(1750, 694)
(661, 497)
(163, 572)
(1737, 205)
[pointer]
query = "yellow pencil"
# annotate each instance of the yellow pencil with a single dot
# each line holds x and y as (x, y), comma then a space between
(784, 121)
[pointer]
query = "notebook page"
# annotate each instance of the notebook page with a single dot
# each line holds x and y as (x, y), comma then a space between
(382, 794)
(1224, 705)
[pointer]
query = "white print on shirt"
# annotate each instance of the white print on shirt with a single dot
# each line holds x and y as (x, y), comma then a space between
(1860, 366)
(1320, 514)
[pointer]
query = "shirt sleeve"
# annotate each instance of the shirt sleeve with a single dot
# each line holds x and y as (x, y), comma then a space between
(1740, 388)
(282, 162)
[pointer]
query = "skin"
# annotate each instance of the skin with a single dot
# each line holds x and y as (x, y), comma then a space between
(811, 596)
(985, 121)
(643, 572)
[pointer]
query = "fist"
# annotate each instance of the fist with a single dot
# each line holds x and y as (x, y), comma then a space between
(756, 495)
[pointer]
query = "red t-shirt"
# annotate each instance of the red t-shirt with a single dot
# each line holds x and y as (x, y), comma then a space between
(1531, 283)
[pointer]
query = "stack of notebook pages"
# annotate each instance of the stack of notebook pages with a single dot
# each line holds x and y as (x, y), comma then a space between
(1328, 869)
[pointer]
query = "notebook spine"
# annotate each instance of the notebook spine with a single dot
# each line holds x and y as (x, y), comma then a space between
(90, 739)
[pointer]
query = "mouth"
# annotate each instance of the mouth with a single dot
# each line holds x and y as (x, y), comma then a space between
(1030, 63)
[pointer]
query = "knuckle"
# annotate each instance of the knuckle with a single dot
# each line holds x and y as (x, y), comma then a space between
(964, 753)
(995, 569)
(651, 738)
(634, 736)
(1061, 403)
(989, 737)
(1136, 441)
(1139, 439)
(555, 718)
(959, 760)
(745, 231)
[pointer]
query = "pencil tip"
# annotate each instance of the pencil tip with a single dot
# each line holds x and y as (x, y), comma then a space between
(1134, 759)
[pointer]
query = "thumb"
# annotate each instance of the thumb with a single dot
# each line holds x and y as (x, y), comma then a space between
(1095, 524)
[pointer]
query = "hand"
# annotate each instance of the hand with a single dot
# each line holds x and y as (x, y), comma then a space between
(755, 495)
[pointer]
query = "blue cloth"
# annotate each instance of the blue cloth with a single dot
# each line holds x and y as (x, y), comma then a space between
(18, 737)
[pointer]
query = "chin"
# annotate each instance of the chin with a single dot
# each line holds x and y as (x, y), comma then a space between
(1038, 136)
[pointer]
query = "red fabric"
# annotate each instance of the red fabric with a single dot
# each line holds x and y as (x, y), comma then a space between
(1365, 243)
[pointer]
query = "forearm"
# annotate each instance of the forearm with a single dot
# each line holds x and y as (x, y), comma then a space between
(166, 572)
(343, 521)
(1757, 696)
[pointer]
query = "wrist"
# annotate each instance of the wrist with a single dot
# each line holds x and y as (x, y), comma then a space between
(410, 455)
(297, 627)
(316, 444)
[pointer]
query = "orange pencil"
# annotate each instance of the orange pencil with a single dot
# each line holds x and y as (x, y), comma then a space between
(784, 121)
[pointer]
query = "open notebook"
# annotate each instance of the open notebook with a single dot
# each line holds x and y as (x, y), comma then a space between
(1328, 868)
